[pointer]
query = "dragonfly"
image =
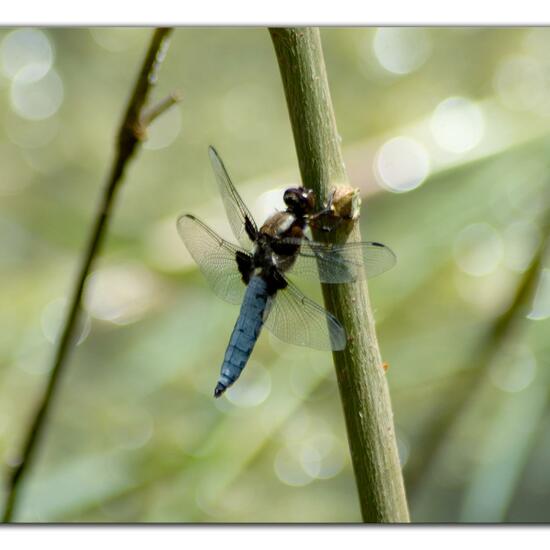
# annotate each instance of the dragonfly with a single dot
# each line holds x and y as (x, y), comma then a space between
(255, 273)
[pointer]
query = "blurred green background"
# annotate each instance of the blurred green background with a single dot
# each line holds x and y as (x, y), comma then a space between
(445, 131)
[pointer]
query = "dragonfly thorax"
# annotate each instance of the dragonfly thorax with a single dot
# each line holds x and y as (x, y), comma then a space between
(282, 224)
(277, 242)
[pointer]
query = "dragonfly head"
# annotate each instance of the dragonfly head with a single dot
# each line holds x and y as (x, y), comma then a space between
(299, 200)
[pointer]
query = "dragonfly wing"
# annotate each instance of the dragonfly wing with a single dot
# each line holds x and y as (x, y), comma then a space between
(341, 263)
(216, 258)
(241, 220)
(294, 318)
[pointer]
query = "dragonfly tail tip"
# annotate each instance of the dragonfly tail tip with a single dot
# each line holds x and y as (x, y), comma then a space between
(220, 388)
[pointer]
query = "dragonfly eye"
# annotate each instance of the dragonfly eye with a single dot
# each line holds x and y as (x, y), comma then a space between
(292, 199)
(290, 196)
(299, 199)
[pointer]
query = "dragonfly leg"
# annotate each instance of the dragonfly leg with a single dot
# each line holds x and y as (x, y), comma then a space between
(326, 212)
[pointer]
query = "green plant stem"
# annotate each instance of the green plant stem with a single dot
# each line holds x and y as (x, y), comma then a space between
(361, 378)
(131, 132)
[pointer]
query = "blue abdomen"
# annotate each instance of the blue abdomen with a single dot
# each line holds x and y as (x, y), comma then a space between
(244, 335)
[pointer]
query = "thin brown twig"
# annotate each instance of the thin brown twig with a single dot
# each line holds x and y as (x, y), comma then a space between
(130, 134)
(163, 105)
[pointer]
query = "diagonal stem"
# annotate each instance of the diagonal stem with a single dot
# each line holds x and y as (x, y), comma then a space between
(361, 379)
(129, 136)
(507, 327)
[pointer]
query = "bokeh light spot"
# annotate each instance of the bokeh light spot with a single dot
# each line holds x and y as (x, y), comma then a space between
(289, 469)
(26, 54)
(37, 100)
(457, 124)
(514, 370)
(253, 387)
(402, 164)
(121, 294)
(310, 460)
(489, 294)
(163, 131)
(322, 456)
(478, 249)
(402, 50)
(52, 317)
(521, 240)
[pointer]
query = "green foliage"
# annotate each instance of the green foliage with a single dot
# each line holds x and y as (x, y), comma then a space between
(135, 435)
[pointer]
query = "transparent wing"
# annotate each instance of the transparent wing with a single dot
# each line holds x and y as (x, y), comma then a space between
(294, 318)
(216, 258)
(241, 220)
(341, 263)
